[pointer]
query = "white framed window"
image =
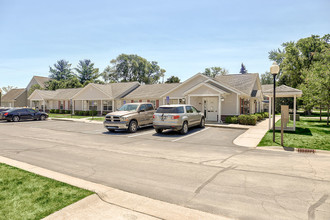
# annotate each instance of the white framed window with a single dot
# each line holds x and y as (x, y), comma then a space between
(107, 105)
(92, 105)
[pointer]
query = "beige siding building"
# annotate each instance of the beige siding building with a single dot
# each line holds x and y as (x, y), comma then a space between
(15, 98)
(217, 98)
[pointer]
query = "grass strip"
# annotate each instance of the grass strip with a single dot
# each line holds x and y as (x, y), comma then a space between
(24, 195)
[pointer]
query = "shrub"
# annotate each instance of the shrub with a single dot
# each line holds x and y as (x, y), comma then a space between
(247, 119)
(252, 120)
(67, 111)
(62, 111)
(266, 114)
(231, 120)
(228, 120)
(242, 119)
(234, 120)
(52, 111)
(86, 113)
(259, 116)
(57, 111)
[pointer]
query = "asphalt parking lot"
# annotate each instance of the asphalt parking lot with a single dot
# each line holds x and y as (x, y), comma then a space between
(202, 170)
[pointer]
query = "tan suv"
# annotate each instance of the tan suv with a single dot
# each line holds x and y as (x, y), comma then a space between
(130, 117)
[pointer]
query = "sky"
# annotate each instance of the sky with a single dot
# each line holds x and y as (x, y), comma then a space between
(184, 37)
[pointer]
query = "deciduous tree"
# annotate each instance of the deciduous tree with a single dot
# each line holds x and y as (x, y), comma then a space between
(173, 79)
(215, 71)
(266, 78)
(131, 67)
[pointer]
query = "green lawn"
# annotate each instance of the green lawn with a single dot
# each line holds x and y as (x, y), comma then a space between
(24, 195)
(51, 115)
(310, 133)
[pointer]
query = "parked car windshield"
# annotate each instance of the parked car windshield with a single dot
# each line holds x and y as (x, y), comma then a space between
(170, 110)
(128, 107)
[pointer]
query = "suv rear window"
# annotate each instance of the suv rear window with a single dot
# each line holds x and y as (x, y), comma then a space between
(170, 110)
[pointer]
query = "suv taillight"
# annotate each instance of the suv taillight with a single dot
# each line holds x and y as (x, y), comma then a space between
(153, 116)
(175, 116)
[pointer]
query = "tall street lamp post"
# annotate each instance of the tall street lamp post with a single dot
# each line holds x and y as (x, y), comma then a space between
(274, 70)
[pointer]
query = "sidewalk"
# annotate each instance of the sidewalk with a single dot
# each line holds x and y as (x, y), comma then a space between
(111, 203)
(254, 134)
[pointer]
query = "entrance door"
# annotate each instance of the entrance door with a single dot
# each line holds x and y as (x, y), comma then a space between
(210, 108)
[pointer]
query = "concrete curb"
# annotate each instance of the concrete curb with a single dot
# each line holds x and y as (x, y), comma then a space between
(226, 126)
(291, 149)
(136, 203)
(76, 120)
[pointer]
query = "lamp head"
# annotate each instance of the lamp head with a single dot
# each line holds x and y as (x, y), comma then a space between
(275, 69)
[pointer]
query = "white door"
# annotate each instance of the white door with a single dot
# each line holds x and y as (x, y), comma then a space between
(210, 108)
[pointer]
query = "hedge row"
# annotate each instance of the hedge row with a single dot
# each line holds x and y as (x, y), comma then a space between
(81, 113)
(60, 111)
(86, 113)
(247, 119)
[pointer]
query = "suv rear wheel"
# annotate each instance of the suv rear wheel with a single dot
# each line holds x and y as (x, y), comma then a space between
(184, 129)
(132, 127)
(159, 130)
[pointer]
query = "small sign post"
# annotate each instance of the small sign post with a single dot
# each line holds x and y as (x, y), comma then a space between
(284, 120)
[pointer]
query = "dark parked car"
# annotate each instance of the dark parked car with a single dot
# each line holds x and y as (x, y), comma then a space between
(23, 114)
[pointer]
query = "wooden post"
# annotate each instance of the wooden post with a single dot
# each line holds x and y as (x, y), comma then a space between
(294, 112)
(282, 128)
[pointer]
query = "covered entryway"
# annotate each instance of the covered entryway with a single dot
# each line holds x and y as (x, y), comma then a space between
(210, 108)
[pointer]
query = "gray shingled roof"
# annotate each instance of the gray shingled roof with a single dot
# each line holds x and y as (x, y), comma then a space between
(151, 90)
(266, 87)
(282, 89)
(241, 82)
(41, 80)
(116, 90)
(65, 94)
(219, 86)
(12, 95)
(46, 94)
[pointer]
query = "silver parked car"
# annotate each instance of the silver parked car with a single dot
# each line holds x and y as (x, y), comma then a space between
(130, 117)
(177, 117)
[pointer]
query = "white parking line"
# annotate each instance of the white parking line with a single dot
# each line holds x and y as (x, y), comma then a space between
(190, 134)
(141, 134)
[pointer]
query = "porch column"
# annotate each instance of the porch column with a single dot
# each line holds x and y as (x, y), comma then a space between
(101, 107)
(73, 107)
(30, 103)
(219, 109)
(294, 112)
(113, 105)
(269, 111)
(189, 99)
(82, 105)
(237, 107)
(43, 105)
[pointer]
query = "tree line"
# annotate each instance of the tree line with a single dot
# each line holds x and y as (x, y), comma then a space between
(304, 65)
(125, 68)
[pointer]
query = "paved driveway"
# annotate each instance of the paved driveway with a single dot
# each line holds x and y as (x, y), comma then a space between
(203, 170)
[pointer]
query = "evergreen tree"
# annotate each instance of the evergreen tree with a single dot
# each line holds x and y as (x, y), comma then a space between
(243, 69)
